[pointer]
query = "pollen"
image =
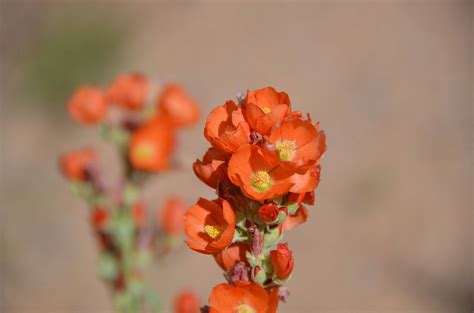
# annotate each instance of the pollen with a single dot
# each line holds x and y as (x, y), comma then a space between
(266, 110)
(144, 151)
(212, 231)
(261, 181)
(286, 149)
(244, 309)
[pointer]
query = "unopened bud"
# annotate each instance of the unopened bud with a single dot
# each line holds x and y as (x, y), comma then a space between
(258, 275)
(238, 272)
(257, 240)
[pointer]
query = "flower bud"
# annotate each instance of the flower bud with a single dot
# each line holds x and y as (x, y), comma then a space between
(87, 105)
(282, 261)
(99, 217)
(186, 302)
(76, 165)
(257, 240)
(239, 272)
(129, 91)
(268, 213)
(258, 275)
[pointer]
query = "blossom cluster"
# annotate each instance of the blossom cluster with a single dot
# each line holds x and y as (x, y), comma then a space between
(264, 166)
(141, 120)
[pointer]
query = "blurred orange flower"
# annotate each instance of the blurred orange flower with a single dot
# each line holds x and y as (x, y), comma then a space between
(265, 107)
(282, 261)
(226, 128)
(258, 173)
(186, 302)
(233, 254)
(87, 105)
(171, 216)
(212, 168)
(209, 226)
(129, 91)
(151, 145)
(242, 297)
(99, 217)
(74, 164)
(175, 103)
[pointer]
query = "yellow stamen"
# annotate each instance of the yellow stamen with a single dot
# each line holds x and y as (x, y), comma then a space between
(212, 231)
(286, 149)
(262, 181)
(244, 309)
(144, 151)
(266, 110)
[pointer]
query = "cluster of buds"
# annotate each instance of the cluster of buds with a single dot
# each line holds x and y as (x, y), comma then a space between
(264, 166)
(142, 123)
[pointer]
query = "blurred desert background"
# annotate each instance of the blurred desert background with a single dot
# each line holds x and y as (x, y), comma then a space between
(390, 82)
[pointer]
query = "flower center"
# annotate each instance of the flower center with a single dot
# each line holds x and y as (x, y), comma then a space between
(266, 110)
(144, 151)
(212, 231)
(244, 309)
(286, 149)
(261, 181)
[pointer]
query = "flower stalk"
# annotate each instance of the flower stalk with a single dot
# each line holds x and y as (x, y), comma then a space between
(143, 130)
(264, 166)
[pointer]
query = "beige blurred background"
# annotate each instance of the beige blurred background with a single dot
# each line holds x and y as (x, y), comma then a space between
(390, 81)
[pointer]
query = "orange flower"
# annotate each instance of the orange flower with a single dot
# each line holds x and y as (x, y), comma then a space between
(171, 216)
(212, 168)
(209, 226)
(129, 91)
(282, 261)
(151, 145)
(186, 302)
(87, 105)
(265, 107)
(233, 254)
(178, 106)
(139, 213)
(300, 217)
(298, 142)
(74, 165)
(99, 217)
(258, 174)
(242, 297)
(226, 128)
